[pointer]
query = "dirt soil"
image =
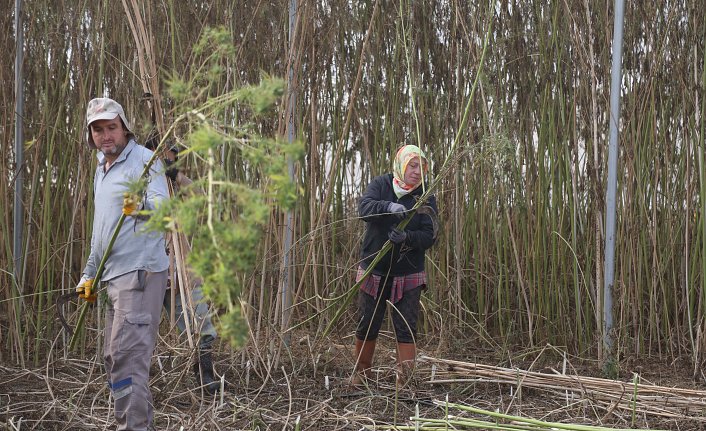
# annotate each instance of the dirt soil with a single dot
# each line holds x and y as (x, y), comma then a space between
(307, 389)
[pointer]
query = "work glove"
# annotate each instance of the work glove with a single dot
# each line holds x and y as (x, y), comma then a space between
(397, 236)
(85, 290)
(130, 203)
(396, 209)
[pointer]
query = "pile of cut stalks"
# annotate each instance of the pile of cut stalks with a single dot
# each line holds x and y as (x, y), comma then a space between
(634, 398)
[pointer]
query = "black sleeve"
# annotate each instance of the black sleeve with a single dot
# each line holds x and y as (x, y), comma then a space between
(423, 238)
(371, 206)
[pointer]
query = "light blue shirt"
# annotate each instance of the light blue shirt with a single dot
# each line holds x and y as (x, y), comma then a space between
(134, 248)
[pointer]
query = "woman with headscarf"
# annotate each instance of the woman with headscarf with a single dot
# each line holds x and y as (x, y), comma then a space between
(399, 277)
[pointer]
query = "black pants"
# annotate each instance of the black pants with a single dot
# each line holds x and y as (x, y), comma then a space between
(405, 313)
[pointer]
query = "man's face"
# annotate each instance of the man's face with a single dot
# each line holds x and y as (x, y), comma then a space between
(109, 136)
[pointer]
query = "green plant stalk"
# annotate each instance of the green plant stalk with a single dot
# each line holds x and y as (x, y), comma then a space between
(410, 77)
(692, 289)
(96, 281)
(348, 296)
(701, 229)
(467, 423)
(31, 208)
(464, 423)
(634, 398)
(699, 292)
(446, 412)
(530, 421)
(350, 293)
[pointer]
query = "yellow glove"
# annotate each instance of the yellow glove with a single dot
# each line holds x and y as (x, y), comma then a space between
(130, 203)
(84, 290)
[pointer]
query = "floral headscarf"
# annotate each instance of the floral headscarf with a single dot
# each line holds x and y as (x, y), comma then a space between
(404, 155)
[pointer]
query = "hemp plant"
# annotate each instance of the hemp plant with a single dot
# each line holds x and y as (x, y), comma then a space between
(227, 137)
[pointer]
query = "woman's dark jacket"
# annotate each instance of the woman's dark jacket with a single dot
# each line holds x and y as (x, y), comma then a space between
(407, 258)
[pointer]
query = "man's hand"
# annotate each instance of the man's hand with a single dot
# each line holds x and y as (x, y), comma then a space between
(396, 209)
(397, 236)
(130, 203)
(85, 290)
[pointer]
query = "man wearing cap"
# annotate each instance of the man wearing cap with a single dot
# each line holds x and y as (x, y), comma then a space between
(135, 272)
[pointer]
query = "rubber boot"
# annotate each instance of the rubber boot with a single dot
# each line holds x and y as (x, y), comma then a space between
(406, 355)
(203, 370)
(364, 351)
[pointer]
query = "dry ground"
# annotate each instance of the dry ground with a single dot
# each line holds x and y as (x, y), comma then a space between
(308, 386)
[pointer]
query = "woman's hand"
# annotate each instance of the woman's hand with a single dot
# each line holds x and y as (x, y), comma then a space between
(397, 236)
(396, 209)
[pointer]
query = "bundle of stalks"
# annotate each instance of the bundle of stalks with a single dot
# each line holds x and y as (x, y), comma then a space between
(633, 396)
(497, 421)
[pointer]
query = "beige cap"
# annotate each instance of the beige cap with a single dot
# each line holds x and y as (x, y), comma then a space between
(103, 108)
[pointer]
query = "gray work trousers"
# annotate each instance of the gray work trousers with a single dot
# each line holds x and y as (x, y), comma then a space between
(131, 327)
(204, 325)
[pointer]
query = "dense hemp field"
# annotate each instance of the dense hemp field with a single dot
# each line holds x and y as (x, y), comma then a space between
(509, 99)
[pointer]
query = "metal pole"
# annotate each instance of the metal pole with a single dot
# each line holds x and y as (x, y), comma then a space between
(287, 260)
(19, 154)
(612, 185)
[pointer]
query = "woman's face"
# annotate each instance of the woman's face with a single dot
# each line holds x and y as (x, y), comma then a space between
(413, 173)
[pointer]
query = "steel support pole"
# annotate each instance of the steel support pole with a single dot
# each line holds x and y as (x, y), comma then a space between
(612, 184)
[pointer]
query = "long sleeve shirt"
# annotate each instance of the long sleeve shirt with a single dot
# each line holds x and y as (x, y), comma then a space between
(134, 248)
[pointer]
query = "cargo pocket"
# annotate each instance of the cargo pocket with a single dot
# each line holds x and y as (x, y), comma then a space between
(136, 333)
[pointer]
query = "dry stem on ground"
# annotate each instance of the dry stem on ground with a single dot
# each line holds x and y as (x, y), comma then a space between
(70, 394)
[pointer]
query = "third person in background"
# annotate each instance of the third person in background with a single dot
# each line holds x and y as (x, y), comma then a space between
(203, 365)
